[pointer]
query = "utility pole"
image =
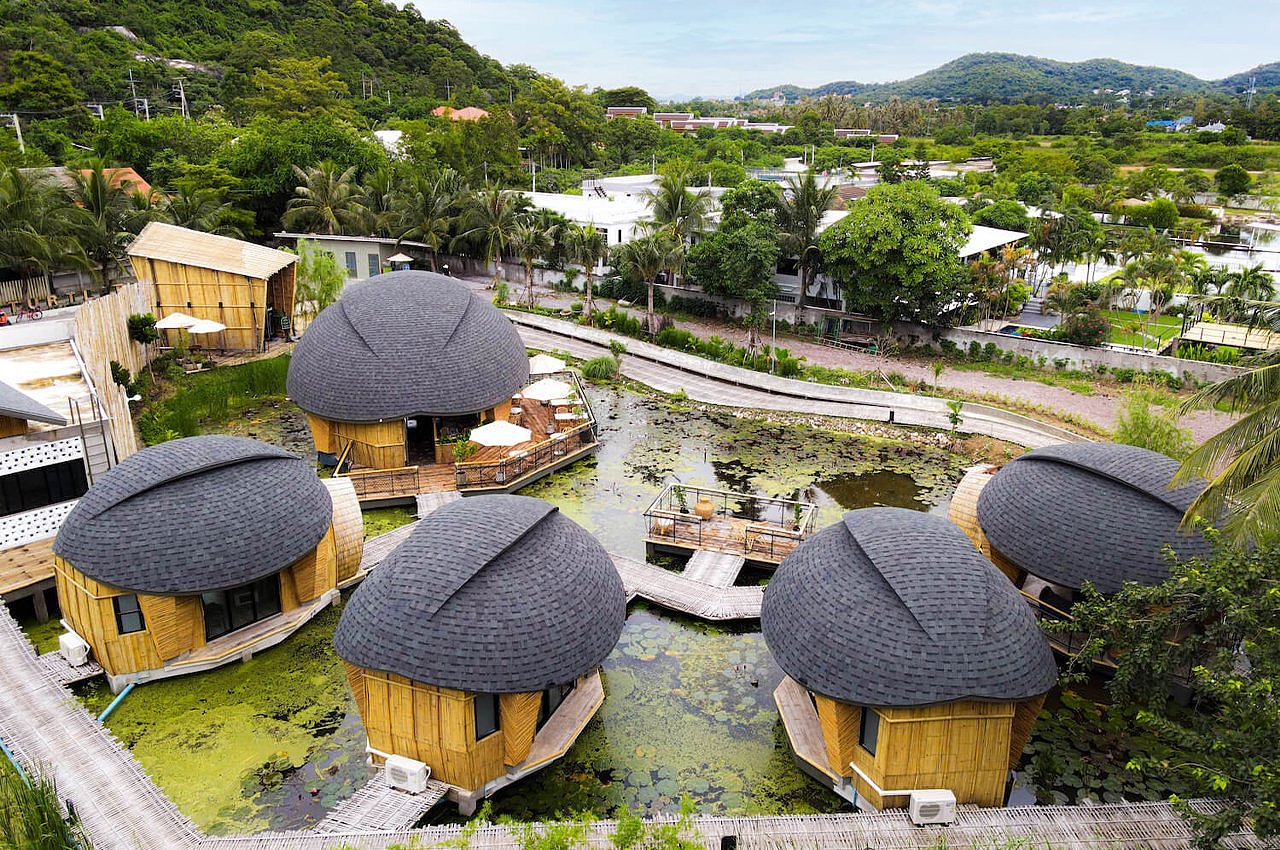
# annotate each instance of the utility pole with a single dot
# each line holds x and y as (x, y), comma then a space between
(1253, 89)
(448, 90)
(181, 91)
(533, 163)
(17, 128)
(133, 93)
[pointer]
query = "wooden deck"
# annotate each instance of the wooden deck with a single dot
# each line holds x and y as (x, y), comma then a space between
(744, 537)
(718, 569)
(680, 593)
(25, 565)
(804, 731)
(61, 672)
(378, 806)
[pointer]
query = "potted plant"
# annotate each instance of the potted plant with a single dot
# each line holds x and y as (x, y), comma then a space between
(681, 500)
(797, 514)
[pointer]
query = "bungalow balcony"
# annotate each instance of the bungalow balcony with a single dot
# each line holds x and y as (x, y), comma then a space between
(684, 519)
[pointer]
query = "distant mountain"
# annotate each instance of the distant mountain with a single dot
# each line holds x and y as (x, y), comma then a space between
(987, 77)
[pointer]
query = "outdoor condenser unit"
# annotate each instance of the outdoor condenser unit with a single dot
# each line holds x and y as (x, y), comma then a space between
(73, 648)
(934, 806)
(407, 774)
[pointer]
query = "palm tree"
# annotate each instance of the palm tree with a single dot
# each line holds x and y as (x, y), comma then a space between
(677, 211)
(1209, 280)
(800, 218)
(588, 247)
(202, 209)
(107, 217)
(327, 201)
(1242, 462)
(423, 210)
(38, 224)
(530, 241)
(490, 217)
(645, 258)
(1252, 283)
(376, 197)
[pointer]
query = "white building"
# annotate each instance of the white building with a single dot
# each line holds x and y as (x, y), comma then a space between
(617, 216)
(361, 256)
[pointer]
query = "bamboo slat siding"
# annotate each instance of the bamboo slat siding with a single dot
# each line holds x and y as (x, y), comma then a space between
(964, 513)
(101, 333)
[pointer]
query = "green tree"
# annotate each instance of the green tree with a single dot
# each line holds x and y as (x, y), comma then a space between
(1005, 214)
(896, 255)
(1217, 618)
(37, 81)
(627, 96)
(588, 247)
(1242, 462)
(489, 218)
(1232, 180)
(804, 204)
(1251, 283)
(738, 260)
(644, 259)
(326, 201)
(107, 218)
(423, 210)
(39, 225)
(300, 89)
(1160, 213)
(677, 211)
(1143, 422)
(318, 280)
(207, 210)
(530, 240)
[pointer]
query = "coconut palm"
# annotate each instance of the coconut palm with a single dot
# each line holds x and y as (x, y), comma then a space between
(424, 210)
(108, 219)
(530, 240)
(206, 210)
(1208, 280)
(799, 220)
(644, 259)
(1242, 462)
(326, 201)
(676, 211)
(588, 247)
(38, 224)
(1253, 283)
(490, 217)
(376, 197)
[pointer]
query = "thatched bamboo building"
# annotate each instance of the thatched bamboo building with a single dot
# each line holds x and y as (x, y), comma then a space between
(198, 552)
(247, 287)
(1062, 515)
(474, 647)
(911, 663)
(404, 348)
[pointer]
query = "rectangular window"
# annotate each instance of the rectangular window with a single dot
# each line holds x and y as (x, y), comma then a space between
(375, 265)
(128, 615)
(869, 729)
(42, 486)
(226, 611)
(351, 264)
(486, 708)
(605, 233)
(552, 697)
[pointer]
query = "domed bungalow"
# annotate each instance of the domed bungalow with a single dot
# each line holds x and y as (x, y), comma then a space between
(1062, 515)
(396, 373)
(911, 663)
(188, 555)
(475, 646)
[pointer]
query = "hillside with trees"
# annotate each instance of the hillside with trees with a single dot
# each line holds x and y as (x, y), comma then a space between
(1014, 78)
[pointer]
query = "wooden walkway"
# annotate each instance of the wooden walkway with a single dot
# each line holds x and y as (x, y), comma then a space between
(62, 673)
(681, 593)
(718, 569)
(378, 806)
(716, 383)
(428, 502)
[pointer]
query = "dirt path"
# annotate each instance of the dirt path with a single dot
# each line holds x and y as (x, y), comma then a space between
(1102, 407)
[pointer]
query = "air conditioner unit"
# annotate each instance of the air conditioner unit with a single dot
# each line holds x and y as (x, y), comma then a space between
(407, 774)
(74, 649)
(934, 806)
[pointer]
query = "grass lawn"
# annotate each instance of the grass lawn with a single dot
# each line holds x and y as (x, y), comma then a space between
(1166, 328)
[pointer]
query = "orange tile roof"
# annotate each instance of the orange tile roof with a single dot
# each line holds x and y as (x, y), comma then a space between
(466, 113)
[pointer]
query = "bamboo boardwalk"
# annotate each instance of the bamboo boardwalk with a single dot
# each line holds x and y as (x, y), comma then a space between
(378, 806)
(122, 809)
(718, 569)
(686, 595)
(716, 383)
(62, 673)
(428, 502)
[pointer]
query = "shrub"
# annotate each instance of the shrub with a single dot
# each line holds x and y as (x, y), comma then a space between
(1124, 374)
(1157, 430)
(604, 368)
(991, 351)
(677, 338)
(121, 374)
(975, 350)
(1086, 327)
(575, 307)
(502, 293)
(617, 348)
(142, 328)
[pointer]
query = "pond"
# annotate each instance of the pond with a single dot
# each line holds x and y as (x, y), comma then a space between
(276, 742)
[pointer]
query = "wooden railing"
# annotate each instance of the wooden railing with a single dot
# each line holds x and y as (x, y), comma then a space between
(504, 472)
(793, 517)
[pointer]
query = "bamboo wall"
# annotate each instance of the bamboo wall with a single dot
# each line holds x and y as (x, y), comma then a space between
(374, 445)
(437, 726)
(964, 513)
(11, 426)
(963, 746)
(174, 625)
(101, 334)
(235, 300)
(348, 527)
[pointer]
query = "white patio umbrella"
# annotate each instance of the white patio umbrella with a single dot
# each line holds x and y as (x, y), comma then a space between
(545, 364)
(500, 433)
(206, 326)
(547, 389)
(176, 321)
(399, 258)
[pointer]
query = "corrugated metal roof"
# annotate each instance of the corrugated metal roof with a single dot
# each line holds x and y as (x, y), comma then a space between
(172, 244)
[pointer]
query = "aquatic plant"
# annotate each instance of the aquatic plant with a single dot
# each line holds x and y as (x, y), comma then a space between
(213, 396)
(31, 814)
(603, 368)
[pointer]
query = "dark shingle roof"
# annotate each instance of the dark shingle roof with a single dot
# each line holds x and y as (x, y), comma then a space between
(1100, 512)
(493, 594)
(198, 514)
(19, 405)
(892, 607)
(406, 343)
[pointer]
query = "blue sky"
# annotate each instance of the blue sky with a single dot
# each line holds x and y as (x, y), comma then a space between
(723, 47)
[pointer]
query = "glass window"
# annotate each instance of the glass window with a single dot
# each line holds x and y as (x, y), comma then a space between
(486, 708)
(228, 610)
(42, 486)
(869, 729)
(128, 615)
(351, 264)
(552, 697)
(375, 265)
